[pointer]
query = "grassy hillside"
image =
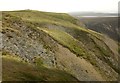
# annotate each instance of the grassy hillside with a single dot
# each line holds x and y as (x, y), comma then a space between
(29, 34)
(18, 70)
(66, 40)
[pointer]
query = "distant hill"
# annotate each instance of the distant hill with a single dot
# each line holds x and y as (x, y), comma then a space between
(104, 25)
(93, 14)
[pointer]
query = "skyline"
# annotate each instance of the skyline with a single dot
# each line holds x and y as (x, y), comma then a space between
(61, 6)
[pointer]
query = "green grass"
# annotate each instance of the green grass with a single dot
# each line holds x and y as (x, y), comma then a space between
(40, 19)
(119, 48)
(38, 61)
(15, 70)
(0, 16)
(66, 40)
(103, 51)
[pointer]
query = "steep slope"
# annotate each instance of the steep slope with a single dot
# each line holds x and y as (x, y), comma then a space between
(61, 42)
(104, 25)
(17, 70)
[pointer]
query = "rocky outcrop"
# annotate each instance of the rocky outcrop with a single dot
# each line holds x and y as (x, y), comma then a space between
(28, 43)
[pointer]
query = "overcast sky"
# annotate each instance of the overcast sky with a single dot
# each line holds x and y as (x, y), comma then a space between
(61, 5)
